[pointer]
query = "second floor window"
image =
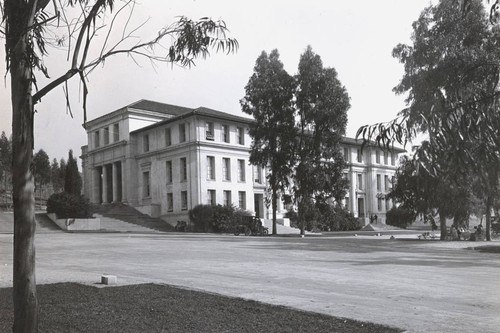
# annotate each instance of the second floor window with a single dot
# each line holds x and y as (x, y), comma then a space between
(106, 135)
(377, 157)
(387, 183)
(393, 159)
(226, 169)
(210, 167)
(241, 170)
(116, 133)
(258, 174)
(182, 132)
(240, 136)
(225, 133)
(97, 139)
(379, 185)
(346, 154)
(168, 137)
(209, 131)
(386, 157)
(360, 156)
(359, 184)
(183, 175)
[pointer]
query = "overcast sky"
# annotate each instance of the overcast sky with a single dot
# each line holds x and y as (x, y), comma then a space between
(354, 37)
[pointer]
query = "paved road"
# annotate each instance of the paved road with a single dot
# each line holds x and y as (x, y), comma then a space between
(419, 286)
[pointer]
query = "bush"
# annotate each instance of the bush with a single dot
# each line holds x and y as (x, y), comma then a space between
(201, 217)
(66, 205)
(399, 217)
(326, 217)
(206, 218)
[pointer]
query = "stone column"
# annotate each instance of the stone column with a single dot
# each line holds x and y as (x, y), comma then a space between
(95, 188)
(104, 184)
(114, 181)
(124, 186)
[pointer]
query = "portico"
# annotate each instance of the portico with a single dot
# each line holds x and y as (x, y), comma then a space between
(108, 183)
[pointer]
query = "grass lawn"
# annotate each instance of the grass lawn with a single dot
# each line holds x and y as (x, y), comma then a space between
(69, 307)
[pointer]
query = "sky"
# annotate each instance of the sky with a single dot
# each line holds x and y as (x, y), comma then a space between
(354, 37)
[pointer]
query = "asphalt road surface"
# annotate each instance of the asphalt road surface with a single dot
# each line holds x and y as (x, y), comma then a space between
(419, 286)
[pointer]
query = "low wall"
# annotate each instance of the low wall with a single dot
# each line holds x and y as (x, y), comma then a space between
(76, 224)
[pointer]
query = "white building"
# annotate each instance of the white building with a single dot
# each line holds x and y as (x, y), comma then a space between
(164, 160)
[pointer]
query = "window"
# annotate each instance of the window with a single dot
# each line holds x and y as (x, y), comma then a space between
(97, 139)
(387, 205)
(145, 143)
(379, 204)
(209, 131)
(241, 170)
(168, 137)
(211, 198)
(346, 154)
(116, 132)
(145, 185)
(225, 133)
(360, 156)
(258, 174)
(226, 169)
(359, 184)
(240, 136)
(170, 202)
(184, 200)
(168, 167)
(387, 183)
(379, 183)
(210, 167)
(242, 199)
(346, 202)
(227, 198)
(182, 132)
(386, 157)
(106, 135)
(183, 169)
(393, 159)
(377, 157)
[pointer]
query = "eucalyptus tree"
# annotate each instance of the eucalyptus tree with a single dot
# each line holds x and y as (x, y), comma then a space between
(321, 112)
(30, 28)
(269, 99)
(451, 81)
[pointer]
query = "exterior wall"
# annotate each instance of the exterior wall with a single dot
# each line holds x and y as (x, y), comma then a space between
(135, 161)
(369, 194)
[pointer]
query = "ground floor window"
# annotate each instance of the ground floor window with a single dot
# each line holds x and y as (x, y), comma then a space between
(242, 199)
(184, 200)
(170, 202)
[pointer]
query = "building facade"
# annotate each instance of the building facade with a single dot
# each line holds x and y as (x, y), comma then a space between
(164, 160)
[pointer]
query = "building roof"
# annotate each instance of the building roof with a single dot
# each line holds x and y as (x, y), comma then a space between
(201, 111)
(148, 105)
(359, 142)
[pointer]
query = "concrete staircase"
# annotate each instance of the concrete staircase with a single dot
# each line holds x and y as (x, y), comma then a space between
(120, 217)
(280, 229)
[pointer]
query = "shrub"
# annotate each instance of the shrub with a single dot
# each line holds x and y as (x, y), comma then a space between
(201, 216)
(66, 205)
(399, 217)
(325, 217)
(206, 218)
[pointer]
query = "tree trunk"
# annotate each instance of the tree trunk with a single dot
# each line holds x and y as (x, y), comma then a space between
(24, 284)
(442, 224)
(275, 207)
(489, 202)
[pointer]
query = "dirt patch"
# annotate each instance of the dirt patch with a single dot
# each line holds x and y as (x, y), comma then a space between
(69, 307)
